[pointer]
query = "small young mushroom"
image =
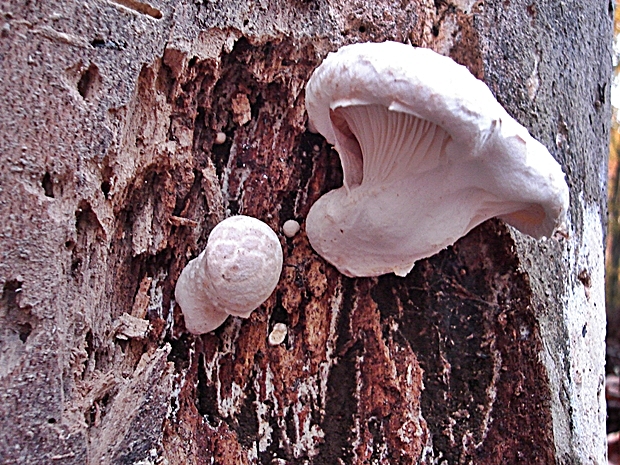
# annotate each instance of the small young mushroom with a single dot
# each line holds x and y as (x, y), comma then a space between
(278, 334)
(236, 273)
(290, 228)
(427, 154)
(220, 138)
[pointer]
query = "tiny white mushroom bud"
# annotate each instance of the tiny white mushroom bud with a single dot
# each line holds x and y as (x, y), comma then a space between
(236, 273)
(278, 334)
(290, 228)
(220, 138)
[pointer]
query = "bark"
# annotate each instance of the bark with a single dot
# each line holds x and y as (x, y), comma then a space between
(490, 352)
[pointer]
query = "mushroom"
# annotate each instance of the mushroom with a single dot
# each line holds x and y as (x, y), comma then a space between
(236, 273)
(278, 334)
(427, 154)
(290, 228)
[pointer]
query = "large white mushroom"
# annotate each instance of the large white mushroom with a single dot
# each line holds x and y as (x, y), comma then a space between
(235, 274)
(427, 154)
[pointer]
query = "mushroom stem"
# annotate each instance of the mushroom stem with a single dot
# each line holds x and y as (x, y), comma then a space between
(193, 294)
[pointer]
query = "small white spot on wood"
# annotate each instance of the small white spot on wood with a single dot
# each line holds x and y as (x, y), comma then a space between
(220, 138)
(278, 334)
(290, 228)
(533, 82)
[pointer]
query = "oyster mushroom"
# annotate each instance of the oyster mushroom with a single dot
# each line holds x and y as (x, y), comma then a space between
(427, 154)
(235, 274)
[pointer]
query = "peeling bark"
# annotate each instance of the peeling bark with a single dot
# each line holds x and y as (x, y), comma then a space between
(112, 112)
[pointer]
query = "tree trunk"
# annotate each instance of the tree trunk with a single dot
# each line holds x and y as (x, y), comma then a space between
(490, 352)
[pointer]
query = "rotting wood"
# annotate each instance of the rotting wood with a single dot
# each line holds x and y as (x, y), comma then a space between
(110, 187)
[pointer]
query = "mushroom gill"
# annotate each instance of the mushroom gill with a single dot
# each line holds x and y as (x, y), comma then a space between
(378, 145)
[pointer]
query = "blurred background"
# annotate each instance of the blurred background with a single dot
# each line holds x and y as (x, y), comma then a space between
(613, 262)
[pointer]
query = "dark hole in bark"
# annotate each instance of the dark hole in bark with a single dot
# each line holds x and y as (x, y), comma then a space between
(206, 397)
(247, 431)
(89, 343)
(9, 294)
(106, 181)
(91, 415)
(341, 386)
(279, 315)
(75, 267)
(89, 81)
(100, 42)
(233, 206)
(221, 153)
(47, 185)
(24, 331)
(602, 91)
(584, 278)
(97, 411)
(178, 352)
(105, 188)
(339, 422)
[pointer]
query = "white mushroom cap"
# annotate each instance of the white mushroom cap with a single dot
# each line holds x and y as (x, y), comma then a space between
(290, 228)
(278, 334)
(236, 273)
(427, 154)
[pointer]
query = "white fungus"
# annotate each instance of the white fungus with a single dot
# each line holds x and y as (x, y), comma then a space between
(236, 273)
(427, 154)
(220, 138)
(290, 228)
(278, 334)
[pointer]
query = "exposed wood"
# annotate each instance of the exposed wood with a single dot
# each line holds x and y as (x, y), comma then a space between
(115, 172)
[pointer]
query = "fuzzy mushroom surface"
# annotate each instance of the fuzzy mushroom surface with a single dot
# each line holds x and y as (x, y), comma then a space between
(235, 274)
(427, 154)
